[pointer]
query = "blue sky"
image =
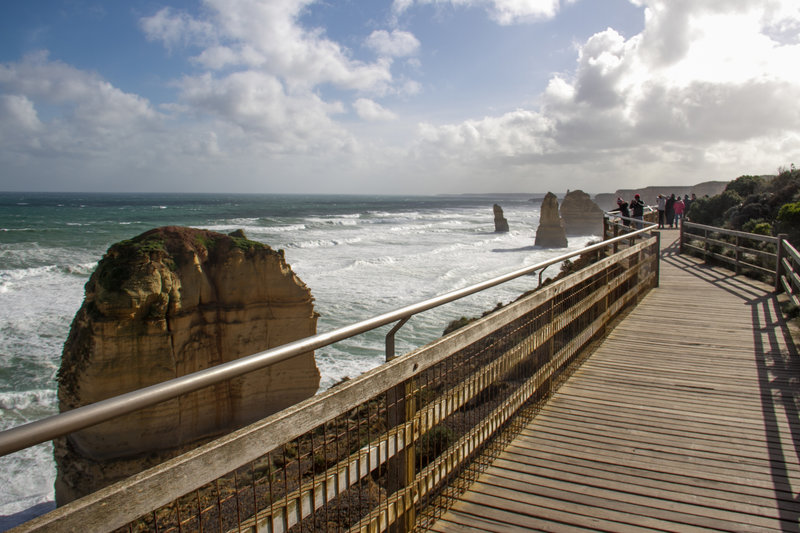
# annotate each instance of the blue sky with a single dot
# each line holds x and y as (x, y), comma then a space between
(395, 96)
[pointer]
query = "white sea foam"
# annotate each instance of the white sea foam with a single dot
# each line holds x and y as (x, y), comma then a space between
(19, 401)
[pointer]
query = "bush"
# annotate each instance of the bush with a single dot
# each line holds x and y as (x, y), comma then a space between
(788, 221)
(711, 211)
(758, 226)
(745, 186)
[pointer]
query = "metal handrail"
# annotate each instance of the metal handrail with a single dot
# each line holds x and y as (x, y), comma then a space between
(47, 429)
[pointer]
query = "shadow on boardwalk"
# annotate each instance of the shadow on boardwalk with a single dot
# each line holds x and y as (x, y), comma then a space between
(778, 364)
(685, 418)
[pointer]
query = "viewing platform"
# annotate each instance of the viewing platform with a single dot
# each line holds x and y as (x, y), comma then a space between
(685, 418)
(641, 389)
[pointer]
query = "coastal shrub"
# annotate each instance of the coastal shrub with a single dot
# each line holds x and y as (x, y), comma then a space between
(711, 211)
(745, 186)
(788, 221)
(758, 226)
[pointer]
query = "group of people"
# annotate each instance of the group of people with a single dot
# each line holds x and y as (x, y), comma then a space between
(670, 210)
(633, 210)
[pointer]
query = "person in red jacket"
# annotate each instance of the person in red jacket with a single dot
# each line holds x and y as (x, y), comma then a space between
(679, 208)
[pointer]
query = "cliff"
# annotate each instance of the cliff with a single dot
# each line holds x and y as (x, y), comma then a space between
(167, 303)
(608, 201)
(581, 215)
(550, 233)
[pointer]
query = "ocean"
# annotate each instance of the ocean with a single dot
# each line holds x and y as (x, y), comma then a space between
(359, 255)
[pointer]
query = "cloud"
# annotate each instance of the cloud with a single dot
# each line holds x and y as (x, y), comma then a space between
(257, 104)
(84, 111)
(372, 111)
(395, 44)
(267, 37)
(262, 72)
(504, 12)
(701, 78)
(18, 113)
(175, 29)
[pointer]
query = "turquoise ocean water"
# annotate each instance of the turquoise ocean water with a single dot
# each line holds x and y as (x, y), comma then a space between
(359, 255)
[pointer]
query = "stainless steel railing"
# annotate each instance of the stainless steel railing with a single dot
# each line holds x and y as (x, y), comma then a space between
(392, 448)
(47, 429)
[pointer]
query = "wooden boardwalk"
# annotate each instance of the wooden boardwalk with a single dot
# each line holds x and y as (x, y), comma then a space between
(684, 419)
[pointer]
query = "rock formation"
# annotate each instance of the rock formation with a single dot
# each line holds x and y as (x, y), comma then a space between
(550, 233)
(581, 215)
(167, 303)
(500, 222)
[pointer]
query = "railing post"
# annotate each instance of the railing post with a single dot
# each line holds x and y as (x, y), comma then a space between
(779, 262)
(736, 255)
(400, 469)
(658, 256)
(680, 238)
(616, 234)
(705, 245)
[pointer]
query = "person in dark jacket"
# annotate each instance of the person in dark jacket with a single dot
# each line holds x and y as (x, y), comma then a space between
(670, 210)
(624, 212)
(637, 207)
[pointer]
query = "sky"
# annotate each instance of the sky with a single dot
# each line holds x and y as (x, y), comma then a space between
(395, 96)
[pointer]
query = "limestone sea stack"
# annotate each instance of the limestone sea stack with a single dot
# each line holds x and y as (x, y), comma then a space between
(169, 302)
(500, 222)
(581, 215)
(550, 233)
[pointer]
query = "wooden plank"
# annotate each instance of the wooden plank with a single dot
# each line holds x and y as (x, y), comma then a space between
(685, 416)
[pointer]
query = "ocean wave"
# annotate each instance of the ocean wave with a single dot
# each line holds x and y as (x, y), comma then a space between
(332, 221)
(375, 261)
(286, 229)
(323, 243)
(26, 399)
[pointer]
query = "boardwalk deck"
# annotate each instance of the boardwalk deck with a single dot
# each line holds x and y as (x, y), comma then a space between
(684, 419)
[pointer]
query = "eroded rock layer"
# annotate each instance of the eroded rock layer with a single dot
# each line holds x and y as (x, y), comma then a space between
(550, 233)
(167, 303)
(581, 215)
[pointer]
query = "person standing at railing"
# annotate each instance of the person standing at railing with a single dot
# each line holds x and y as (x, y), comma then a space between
(624, 212)
(661, 204)
(680, 208)
(637, 206)
(670, 209)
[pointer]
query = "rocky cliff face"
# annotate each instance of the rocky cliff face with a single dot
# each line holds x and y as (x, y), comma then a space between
(581, 215)
(164, 304)
(650, 194)
(550, 233)
(500, 222)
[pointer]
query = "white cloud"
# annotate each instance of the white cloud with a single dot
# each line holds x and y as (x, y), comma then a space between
(176, 29)
(372, 111)
(504, 12)
(257, 104)
(669, 103)
(395, 44)
(83, 109)
(17, 112)
(266, 36)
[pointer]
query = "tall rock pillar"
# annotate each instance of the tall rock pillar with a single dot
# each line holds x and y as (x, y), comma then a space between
(167, 303)
(550, 233)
